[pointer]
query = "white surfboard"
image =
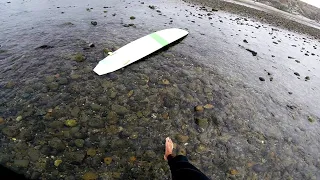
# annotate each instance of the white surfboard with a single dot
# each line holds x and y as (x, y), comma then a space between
(138, 49)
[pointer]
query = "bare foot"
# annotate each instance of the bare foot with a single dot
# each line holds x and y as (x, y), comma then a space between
(169, 148)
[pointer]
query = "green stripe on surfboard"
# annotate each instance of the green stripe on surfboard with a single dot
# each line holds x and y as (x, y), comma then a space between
(159, 39)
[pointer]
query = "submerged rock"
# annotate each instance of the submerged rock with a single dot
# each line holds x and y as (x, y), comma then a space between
(202, 122)
(57, 144)
(57, 162)
(33, 154)
(78, 57)
(44, 47)
(198, 108)
(112, 117)
(53, 86)
(63, 81)
(94, 23)
(96, 123)
(107, 160)
(261, 79)
(208, 106)
(90, 176)
(307, 78)
(182, 138)
(200, 148)
(21, 163)
(121, 110)
(10, 131)
(310, 119)
(71, 122)
(1, 120)
(258, 168)
(79, 143)
(91, 152)
(75, 157)
(252, 52)
(95, 107)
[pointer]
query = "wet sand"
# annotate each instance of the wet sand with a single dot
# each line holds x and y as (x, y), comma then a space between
(255, 86)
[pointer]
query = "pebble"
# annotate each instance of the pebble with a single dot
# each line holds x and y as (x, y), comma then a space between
(94, 23)
(132, 17)
(79, 143)
(198, 108)
(10, 85)
(182, 138)
(121, 110)
(258, 168)
(95, 107)
(208, 106)
(132, 159)
(21, 163)
(310, 119)
(253, 52)
(152, 7)
(78, 57)
(200, 148)
(75, 111)
(297, 61)
(63, 81)
(297, 74)
(44, 47)
(90, 176)
(71, 122)
(182, 151)
(307, 78)
(112, 117)
(19, 118)
(10, 131)
(261, 79)
(234, 172)
(91, 152)
(1, 120)
(202, 122)
(75, 157)
(165, 81)
(290, 93)
(96, 123)
(34, 154)
(91, 45)
(130, 93)
(57, 162)
(245, 41)
(107, 160)
(165, 116)
(57, 144)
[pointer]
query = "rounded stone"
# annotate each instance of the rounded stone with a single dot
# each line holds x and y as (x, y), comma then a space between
(57, 144)
(261, 79)
(203, 122)
(182, 138)
(107, 160)
(90, 176)
(198, 108)
(70, 122)
(91, 152)
(79, 143)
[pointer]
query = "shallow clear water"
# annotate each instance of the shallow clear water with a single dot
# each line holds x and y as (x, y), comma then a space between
(256, 127)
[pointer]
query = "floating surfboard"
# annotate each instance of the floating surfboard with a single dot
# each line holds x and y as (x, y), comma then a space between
(138, 49)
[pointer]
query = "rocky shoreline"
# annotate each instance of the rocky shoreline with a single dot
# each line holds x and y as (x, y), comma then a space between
(261, 16)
